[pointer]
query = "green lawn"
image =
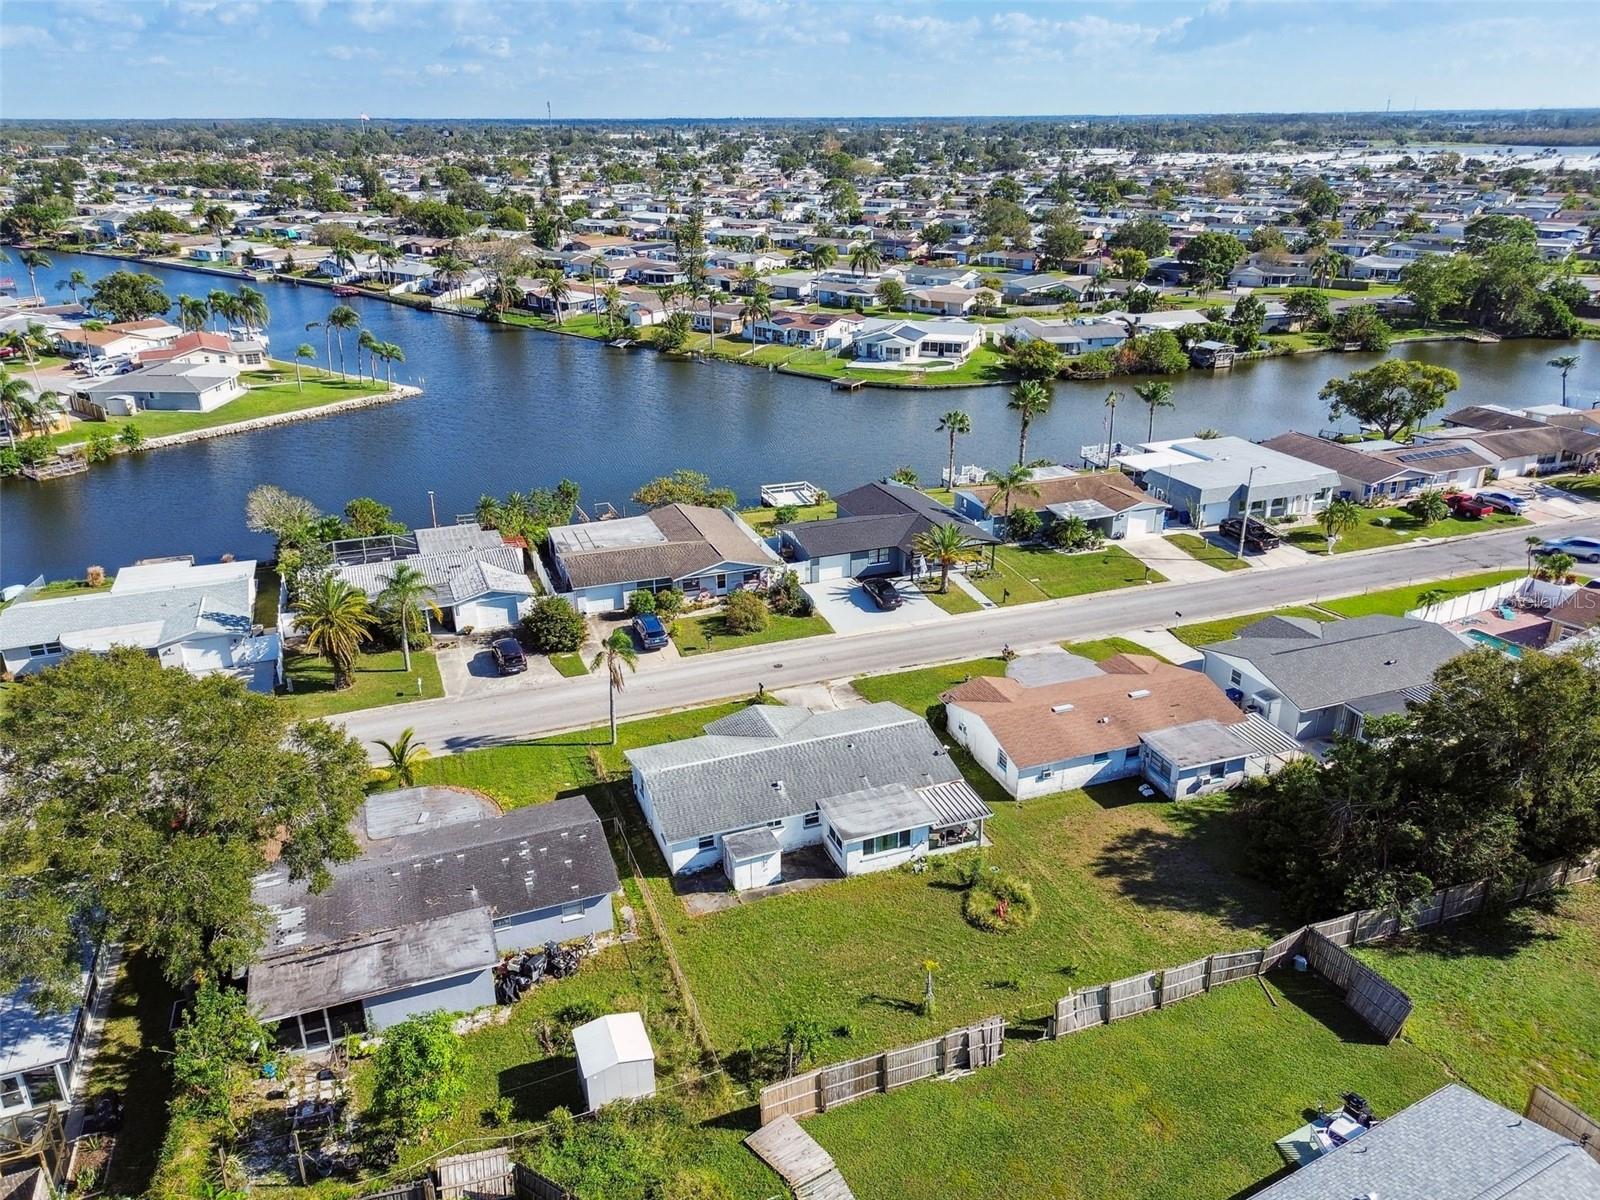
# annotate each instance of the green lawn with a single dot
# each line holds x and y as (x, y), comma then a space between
(265, 401)
(1181, 1103)
(1587, 486)
(1207, 552)
(570, 665)
(1203, 633)
(266, 606)
(1100, 649)
(1024, 574)
(1397, 601)
(954, 600)
(1509, 1000)
(919, 690)
(702, 635)
(58, 588)
(1402, 527)
(763, 519)
(381, 679)
(985, 365)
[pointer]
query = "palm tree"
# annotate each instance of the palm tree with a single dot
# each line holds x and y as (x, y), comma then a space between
(251, 309)
(1531, 544)
(406, 593)
(404, 754)
(304, 352)
(34, 260)
(387, 256)
(220, 303)
(953, 422)
(823, 256)
(865, 257)
(335, 618)
(452, 269)
(31, 340)
(1557, 568)
(1338, 519)
(615, 311)
(193, 312)
(365, 343)
(74, 281)
(757, 307)
(23, 407)
(947, 545)
(341, 318)
(615, 652)
(1564, 363)
(1113, 398)
(344, 259)
(1155, 394)
(1029, 399)
(558, 288)
(391, 354)
(1008, 483)
(327, 332)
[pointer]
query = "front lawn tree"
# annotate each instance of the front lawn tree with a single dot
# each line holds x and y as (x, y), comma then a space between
(1338, 519)
(335, 617)
(141, 802)
(945, 546)
(1396, 394)
(1211, 258)
(955, 423)
(406, 602)
(1429, 507)
(554, 626)
(616, 652)
(128, 296)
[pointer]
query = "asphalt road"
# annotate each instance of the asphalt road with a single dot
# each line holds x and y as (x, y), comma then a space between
(455, 724)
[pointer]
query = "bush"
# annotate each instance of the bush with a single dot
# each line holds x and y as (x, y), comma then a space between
(999, 903)
(417, 1073)
(745, 612)
(131, 437)
(99, 447)
(1023, 525)
(211, 1048)
(1072, 533)
(785, 514)
(641, 603)
(669, 603)
(554, 626)
(788, 598)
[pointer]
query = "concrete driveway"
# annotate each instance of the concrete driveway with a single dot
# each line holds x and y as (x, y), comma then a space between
(848, 609)
(1547, 503)
(1161, 555)
(468, 669)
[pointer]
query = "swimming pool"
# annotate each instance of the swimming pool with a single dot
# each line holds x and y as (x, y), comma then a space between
(1509, 649)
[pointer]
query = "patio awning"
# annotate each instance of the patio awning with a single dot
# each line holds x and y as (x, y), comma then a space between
(955, 802)
(1266, 737)
(872, 811)
(1088, 510)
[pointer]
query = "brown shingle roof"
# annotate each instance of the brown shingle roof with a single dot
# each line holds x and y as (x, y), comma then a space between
(1116, 492)
(1103, 717)
(1581, 610)
(696, 538)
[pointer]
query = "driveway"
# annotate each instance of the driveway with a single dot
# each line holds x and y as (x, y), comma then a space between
(1546, 503)
(846, 607)
(1161, 555)
(468, 669)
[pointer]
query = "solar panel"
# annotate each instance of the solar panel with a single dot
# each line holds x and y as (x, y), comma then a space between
(1422, 455)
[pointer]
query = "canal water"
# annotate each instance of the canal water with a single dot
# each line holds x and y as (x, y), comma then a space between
(507, 408)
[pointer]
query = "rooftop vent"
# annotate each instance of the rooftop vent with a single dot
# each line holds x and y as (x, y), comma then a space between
(1104, 721)
(423, 816)
(1061, 708)
(1389, 662)
(1138, 694)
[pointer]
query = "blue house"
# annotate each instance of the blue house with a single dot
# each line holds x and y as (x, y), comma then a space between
(417, 923)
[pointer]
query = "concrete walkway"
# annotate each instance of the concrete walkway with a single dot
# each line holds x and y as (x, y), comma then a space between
(959, 579)
(1161, 641)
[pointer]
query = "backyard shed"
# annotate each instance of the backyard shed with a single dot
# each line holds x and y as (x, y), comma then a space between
(615, 1059)
(752, 858)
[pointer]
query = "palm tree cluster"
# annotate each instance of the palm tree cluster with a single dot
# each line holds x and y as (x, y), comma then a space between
(23, 407)
(337, 619)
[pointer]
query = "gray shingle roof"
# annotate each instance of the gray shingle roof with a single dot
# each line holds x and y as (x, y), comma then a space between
(1451, 1145)
(147, 618)
(1342, 661)
(729, 779)
(876, 515)
(456, 576)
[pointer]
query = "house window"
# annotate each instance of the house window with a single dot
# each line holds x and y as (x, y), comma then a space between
(1100, 758)
(833, 840)
(11, 1093)
(1235, 678)
(813, 819)
(44, 649)
(722, 581)
(778, 824)
(877, 557)
(886, 843)
(43, 1086)
(1000, 760)
(706, 843)
(572, 910)
(1046, 773)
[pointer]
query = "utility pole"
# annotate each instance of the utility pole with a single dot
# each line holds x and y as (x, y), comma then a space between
(1244, 522)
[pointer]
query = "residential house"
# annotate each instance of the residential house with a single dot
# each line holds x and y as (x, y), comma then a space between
(1110, 504)
(1390, 475)
(1378, 268)
(203, 346)
(844, 292)
(811, 331)
(93, 344)
(1536, 449)
(1068, 335)
(1010, 260)
(720, 318)
(1062, 722)
(943, 300)
(176, 386)
(1451, 1145)
(41, 1054)
(917, 342)
(1046, 288)
(443, 888)
(874, 533)
(1577, 615)
(1210, 479)
(1314, 679)
(1262, 271)
(694, 549)
(478, 578)
(871, 785)
(197, 618)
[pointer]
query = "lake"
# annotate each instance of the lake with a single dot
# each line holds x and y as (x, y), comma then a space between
(508, 408)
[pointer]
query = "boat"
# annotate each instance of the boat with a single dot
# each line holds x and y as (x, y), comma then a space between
(344, 289)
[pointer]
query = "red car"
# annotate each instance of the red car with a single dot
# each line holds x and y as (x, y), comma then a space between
(1463, 505)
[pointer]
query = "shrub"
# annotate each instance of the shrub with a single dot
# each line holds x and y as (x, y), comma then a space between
(1073, 533)
(999, 903)
(785, 514)
(94, 576)
(554, 626)
(100, 446)
(217, 1038)
(905, 475)
(131, 437)
(669, 603)
(1023, 525)
(641, 602)
(745, 612)
(417, 1073)
(788, 597)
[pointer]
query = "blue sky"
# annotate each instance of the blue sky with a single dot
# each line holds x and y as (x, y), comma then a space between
(618, 58)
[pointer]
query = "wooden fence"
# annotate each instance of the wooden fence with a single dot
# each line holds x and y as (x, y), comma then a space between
(965, 1049)
(1550, 1110)
(476, 1176)
(1382, 1005)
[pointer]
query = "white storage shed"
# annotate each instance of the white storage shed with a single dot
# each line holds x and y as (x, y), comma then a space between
(615, 1059)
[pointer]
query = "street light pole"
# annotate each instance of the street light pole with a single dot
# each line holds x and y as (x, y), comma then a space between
(1244, 521)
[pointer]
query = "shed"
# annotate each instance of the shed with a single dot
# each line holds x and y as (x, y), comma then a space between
(752, 858)
(615, 1059)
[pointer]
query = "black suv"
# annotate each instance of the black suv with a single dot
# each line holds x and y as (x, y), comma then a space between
(509, 658)
(1258, 535)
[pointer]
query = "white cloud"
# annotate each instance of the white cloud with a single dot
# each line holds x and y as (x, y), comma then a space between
(16, 37)
(371, 16)
(482, 44)
(342, 52)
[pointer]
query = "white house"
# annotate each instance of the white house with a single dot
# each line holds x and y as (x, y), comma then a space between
(1211, 479)
(871, 785)
(197, 618)
(814, 331)
(175, 386)
(478, 579)
(1069, 336)
(917, 341)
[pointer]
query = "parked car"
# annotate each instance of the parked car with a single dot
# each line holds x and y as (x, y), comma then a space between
(509, 658)
(1506, 502)
(1258, 535)
(882, 592)
(650, 631)
(1584, 549)
(1463, 505)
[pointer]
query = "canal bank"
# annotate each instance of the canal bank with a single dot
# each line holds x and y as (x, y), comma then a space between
(502, 412)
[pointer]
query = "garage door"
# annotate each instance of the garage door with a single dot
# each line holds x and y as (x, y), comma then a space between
(490, 612)
(1141, 524)
(835, 567)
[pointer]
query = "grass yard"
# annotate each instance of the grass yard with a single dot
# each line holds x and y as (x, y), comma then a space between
(985, 365)
(763, 519)
(1207, 552)
(1100, 649)
(955, 600)
(1203, 633)
(381, 679)
(1402, 528)
(257, 402)
(919, 690)
(570, 665)
(57, 588)
(1587, 486)
(706, 635)
(1395, 602)
(1509, 1000)
(1130, 1111)
(1025, 574)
